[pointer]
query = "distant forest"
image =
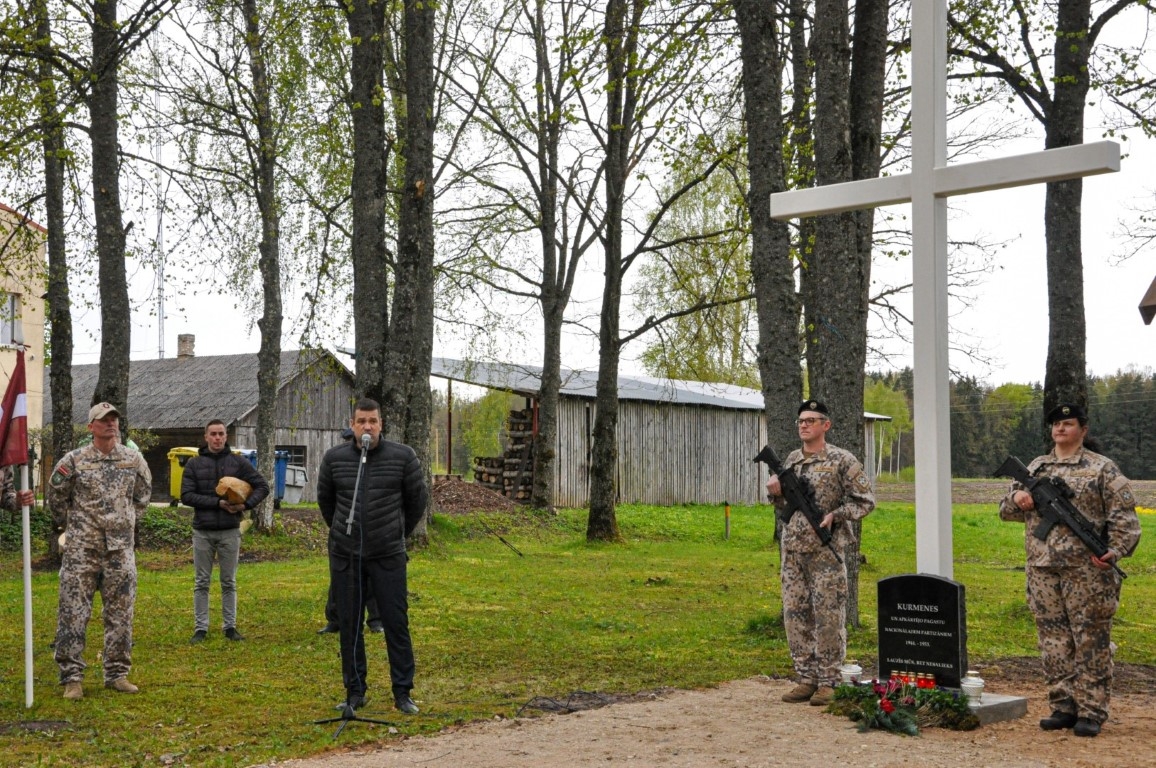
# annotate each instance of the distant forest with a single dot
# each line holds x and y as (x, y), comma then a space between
(989, 423)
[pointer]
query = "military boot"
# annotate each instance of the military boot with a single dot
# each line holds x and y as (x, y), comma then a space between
(800, 693)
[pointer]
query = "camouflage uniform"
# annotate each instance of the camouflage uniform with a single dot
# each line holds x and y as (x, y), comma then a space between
(1072, 600)
(814, 583)
(101, 497)
(8, 490)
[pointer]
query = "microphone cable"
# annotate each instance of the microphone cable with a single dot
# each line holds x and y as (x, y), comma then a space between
(358, 632)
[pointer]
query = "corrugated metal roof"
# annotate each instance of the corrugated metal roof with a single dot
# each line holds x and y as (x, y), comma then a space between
(526, 380)
(186, 392)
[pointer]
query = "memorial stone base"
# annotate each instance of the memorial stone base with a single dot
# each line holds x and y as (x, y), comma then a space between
(996, 708)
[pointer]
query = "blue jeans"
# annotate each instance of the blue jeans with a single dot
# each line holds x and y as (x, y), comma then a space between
(226, 545)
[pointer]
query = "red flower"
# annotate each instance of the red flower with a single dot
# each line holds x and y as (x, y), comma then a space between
(886, 705)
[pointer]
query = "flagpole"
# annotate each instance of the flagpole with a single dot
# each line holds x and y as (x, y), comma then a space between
(13, 453)
(26, 526)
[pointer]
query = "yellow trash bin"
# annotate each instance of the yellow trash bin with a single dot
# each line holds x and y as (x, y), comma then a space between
(178, 457)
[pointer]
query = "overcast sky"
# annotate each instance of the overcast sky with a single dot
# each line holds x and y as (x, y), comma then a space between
(1007, 319)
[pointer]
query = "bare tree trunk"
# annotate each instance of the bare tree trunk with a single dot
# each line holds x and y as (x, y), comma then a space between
(366, 20)
(602, 525)
(557, 269)
(59, 304)
(408, 410)
(269, 258)
(115, 327)
(771, 264)
(868, 80)
(546, 438)
(837, 277)
(1065, 377)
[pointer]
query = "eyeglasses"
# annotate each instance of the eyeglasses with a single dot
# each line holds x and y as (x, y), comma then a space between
(809, 421)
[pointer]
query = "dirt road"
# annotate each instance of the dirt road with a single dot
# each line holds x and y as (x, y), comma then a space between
(744, 723)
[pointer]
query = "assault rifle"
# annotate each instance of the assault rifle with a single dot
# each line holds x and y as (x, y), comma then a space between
(800, 497)
(1053, 501)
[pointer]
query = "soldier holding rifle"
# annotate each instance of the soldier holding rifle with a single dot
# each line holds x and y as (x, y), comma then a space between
(814, 577)
(1072, 592)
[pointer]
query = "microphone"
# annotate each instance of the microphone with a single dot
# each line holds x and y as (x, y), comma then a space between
(365, 441)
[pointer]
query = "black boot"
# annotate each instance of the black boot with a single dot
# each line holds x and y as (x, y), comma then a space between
(1058, 721)
(1086, 727)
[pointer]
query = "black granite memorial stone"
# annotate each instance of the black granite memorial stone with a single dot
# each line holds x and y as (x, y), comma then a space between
(923, 627)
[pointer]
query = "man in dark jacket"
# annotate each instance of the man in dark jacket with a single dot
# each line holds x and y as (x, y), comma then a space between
(217, 524)
(372, 494)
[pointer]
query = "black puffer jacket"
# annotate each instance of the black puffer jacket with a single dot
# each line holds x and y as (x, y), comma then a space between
(199, 487)
(393, 498)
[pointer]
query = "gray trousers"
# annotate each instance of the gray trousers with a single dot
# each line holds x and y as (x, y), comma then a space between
(226, 545)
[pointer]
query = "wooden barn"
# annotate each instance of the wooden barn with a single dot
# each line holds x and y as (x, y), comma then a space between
(678, 441)
(175, 397)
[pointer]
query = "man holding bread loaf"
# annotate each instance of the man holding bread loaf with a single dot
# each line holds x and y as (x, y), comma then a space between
(220, 486)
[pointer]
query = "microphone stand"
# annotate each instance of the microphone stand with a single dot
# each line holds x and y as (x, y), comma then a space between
(365, 440)
(348, 713)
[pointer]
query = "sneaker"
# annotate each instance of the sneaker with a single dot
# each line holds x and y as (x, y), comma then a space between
(198, 637)
(800, 693)
(73, 690)
(375, 627)
(329, 629)
(1086, 727)
(405, 704)
(822, 696)
(121, 684)
(233, 634)
(1058, 721)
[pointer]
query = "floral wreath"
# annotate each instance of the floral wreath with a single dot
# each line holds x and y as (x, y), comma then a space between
(902, 707)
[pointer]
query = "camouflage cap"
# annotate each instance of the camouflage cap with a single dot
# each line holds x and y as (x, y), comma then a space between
(100, 410)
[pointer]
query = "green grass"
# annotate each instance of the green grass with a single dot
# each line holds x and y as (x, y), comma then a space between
(675, 605)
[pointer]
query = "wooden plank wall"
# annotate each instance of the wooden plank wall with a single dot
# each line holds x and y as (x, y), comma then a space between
(667, 454)
(311, 411)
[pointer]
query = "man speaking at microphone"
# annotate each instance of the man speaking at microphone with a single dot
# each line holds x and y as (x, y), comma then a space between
(372, 494)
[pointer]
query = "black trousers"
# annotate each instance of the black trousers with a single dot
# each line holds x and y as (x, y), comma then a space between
(331, 606)
(352, 580)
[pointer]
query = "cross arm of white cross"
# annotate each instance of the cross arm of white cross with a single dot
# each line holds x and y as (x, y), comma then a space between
(949, 180)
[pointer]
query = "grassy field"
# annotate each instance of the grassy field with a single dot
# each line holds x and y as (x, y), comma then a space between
(676, 605)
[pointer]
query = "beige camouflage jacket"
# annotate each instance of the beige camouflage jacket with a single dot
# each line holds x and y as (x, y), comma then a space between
(1102, 494)
(840, 485)
(100, 496)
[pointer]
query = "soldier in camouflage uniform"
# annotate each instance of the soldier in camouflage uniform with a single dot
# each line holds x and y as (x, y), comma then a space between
(10, 498)
(814, 581)
(100, 489)
(1073, 594)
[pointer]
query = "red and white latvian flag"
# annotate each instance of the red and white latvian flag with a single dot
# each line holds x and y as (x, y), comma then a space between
(14, 418)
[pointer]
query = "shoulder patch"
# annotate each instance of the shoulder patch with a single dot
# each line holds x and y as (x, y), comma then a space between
(59, 475)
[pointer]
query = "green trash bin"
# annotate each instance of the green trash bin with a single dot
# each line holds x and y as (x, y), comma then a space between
(178, 457)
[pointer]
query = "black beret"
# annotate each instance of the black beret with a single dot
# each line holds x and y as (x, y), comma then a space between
(813, 405)
(1067, 411)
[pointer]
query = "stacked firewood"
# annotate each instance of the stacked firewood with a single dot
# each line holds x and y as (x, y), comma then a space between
(512, 473)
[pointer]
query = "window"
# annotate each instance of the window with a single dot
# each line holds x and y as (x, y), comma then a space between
(297, 453)
(9, 318)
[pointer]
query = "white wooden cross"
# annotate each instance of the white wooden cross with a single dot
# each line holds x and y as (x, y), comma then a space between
(927, 187)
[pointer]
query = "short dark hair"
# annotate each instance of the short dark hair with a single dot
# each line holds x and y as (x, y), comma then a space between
(216, 421)
(366, 404)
